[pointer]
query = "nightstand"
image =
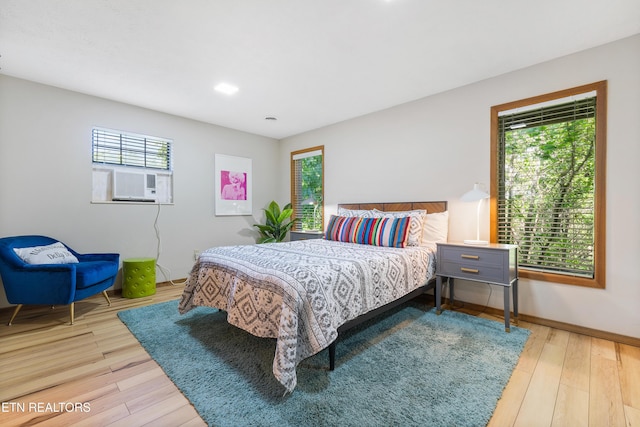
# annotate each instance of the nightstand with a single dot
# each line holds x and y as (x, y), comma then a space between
(305, 235)
(494, 263)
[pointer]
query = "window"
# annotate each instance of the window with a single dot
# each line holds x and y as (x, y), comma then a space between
(307, 182)
(129, 167)
(128, 149)
(548, 183)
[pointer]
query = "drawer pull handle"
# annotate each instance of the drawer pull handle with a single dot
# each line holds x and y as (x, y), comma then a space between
(469, 270)
(469, 256)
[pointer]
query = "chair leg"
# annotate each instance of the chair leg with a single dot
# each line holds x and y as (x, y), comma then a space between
(71, 306)
(15, 313)
(71, 309)
(106, 296)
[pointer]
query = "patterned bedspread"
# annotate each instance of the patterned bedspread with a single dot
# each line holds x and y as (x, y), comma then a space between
(301, 292)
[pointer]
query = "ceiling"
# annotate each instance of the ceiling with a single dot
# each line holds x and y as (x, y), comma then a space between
(307, 63)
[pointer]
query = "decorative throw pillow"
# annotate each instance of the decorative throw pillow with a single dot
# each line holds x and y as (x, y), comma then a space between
(436, 228)
(390, 232)
(56, 253)
(418, 217)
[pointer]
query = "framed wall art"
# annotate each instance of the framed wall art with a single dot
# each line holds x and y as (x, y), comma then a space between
(233, 185)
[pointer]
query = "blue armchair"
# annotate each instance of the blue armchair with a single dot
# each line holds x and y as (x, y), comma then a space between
(53, 284)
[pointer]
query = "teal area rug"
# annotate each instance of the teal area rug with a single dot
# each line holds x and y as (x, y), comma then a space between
(409, 367)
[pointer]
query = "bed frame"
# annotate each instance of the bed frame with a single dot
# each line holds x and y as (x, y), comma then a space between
(431, 207)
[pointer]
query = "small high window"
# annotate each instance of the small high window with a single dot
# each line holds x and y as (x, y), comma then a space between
(129, 167)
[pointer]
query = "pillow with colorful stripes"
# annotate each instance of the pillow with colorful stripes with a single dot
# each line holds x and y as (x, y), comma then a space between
(418, 218)
(390, 232)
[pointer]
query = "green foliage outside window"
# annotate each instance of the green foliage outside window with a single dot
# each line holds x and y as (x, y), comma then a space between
(547, 194)
(311, 193)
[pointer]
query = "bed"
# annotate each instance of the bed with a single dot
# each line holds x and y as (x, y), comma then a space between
(305, 293)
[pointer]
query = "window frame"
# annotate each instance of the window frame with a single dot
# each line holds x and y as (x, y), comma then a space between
(294, 186)
(599, 249)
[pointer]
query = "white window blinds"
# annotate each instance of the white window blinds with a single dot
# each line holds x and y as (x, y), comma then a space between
(307, 196)
(546, 186)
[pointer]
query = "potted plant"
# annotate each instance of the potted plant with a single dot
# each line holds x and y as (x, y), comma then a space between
(279, 222)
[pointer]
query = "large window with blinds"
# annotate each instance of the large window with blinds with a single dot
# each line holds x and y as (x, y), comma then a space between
(307, 188)
(548, 184)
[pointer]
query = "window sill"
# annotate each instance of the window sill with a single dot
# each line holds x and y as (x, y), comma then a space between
(561, 278)
(111, 202)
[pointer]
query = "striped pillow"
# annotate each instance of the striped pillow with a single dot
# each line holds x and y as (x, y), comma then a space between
(418, 218)
(390, 232)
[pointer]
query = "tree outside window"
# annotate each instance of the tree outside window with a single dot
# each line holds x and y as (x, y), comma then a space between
(548, 165)
(307, 194)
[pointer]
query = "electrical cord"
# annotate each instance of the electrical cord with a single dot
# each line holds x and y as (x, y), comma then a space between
(462, 304)
(488, 298)
(162, 269)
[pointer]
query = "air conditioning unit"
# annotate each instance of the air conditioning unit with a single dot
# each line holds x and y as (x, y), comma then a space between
(134, 186)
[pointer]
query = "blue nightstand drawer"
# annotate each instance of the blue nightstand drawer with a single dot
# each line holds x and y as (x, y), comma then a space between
(474, 271)
(473, 255)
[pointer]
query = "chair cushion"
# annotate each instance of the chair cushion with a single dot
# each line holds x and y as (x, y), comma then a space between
(89, 273)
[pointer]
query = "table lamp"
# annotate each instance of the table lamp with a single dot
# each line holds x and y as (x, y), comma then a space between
(475, 195)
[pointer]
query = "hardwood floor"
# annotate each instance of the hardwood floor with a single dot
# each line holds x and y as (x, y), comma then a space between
(95, 373)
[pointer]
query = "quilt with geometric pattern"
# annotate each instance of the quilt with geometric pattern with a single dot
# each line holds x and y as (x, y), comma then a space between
(301, 292)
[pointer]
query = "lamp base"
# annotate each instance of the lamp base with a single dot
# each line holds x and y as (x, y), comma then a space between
(476, 242)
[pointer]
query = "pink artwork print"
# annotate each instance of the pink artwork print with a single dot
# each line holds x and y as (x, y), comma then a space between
(233, 185)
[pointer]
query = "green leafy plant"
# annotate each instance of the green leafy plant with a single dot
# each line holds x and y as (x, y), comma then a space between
(278, 223)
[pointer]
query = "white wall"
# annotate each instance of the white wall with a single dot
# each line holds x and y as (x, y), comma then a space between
(437, 147)
(45, 177)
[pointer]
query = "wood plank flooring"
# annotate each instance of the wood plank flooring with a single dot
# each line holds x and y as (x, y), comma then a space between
(95, 373)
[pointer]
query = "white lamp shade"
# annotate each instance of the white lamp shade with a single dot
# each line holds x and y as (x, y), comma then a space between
(474, 195)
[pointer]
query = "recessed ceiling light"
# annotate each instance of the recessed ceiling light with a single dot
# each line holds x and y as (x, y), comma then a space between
(226, 88)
